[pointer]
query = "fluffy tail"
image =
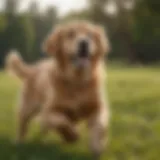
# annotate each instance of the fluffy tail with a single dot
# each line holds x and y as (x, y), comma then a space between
(15, 65)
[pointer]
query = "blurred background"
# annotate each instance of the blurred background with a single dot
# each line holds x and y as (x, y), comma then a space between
(133, 27)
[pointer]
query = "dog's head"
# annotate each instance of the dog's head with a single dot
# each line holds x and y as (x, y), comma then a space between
(77, 45)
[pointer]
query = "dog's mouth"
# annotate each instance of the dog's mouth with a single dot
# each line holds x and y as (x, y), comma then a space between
(82, 57)
(80, 62)
(83, 62)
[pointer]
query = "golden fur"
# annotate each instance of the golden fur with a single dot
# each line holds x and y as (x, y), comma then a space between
(62, 94)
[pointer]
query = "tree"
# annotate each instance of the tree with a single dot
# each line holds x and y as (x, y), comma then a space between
(147, 30)
(18, 33)
(7, 19)
(98, 11)
(125, 25)
(3, 24)
(11, 6)
(42, 22)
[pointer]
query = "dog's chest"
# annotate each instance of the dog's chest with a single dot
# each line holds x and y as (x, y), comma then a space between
(76, 102)
(72, 95)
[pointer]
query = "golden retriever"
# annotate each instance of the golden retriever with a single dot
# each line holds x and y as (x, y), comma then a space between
(69, 87)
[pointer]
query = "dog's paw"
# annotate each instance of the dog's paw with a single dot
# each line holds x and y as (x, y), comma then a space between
(70, 136)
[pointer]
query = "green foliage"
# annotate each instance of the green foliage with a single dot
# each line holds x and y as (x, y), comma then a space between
(42, 23)
(147, 31)
(19, 35)
(24, 31)
(134, 32)
(3, 23)
(134, 127)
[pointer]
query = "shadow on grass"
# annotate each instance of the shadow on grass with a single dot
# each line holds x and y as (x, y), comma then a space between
(37, 151)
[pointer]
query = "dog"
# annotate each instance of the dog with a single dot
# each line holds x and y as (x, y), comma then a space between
(69, 86)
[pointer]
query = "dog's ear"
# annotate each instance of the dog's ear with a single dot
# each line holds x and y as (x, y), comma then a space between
(52, 42)
(102, 40)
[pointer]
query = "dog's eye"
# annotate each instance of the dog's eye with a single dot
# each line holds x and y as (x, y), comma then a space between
(71, 34)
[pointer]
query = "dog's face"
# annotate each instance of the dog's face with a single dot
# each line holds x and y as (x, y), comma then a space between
(77, 46)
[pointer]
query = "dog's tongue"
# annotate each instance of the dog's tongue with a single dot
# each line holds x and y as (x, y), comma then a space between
(83, 62)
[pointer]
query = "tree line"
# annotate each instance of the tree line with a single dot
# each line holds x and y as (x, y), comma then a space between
(133, 28)
(24, 31)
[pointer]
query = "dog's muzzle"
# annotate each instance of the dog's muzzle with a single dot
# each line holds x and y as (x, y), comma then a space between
(83, 55)
(83, 49)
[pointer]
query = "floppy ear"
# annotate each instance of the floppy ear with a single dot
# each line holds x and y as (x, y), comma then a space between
(102, 40)
(52, 42)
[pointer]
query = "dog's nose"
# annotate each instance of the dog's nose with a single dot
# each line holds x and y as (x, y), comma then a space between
(83, 48)
(83, 44)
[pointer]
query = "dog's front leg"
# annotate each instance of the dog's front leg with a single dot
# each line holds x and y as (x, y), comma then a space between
(98, 126)
(54, 120)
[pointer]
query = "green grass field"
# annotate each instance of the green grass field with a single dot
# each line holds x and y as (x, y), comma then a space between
(134, 95)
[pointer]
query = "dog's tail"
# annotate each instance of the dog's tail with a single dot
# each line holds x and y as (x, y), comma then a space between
(16, 66)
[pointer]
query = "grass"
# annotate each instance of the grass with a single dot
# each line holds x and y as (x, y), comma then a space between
(134, 95)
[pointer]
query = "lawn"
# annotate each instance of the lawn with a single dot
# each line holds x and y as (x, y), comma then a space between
(134, 95)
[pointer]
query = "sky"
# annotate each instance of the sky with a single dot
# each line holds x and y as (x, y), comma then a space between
(64, 6)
